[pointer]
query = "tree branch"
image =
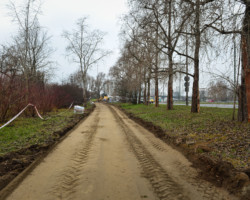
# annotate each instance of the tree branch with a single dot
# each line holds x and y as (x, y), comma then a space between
(222, 31)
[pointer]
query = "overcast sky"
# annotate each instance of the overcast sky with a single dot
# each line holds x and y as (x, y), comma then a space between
(59, 15)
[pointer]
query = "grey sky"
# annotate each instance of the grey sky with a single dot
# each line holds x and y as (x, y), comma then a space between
(59, 15)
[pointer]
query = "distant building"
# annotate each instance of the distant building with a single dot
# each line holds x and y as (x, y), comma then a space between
(109, 87)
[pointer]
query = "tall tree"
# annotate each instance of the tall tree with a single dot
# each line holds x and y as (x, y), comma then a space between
(143, 32)
(244, 113)
(235, 19)
(203, 13)
(32, 42)
(170, 24)
(84, 46)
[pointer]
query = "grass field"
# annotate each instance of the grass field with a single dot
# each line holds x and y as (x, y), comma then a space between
(27, 131)
(227, 139)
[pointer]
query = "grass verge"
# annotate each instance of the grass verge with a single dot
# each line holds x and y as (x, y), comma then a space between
(28, 131)
(25, 132)
(211, 132)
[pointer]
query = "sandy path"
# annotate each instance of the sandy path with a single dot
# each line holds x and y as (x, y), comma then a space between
(110, 157)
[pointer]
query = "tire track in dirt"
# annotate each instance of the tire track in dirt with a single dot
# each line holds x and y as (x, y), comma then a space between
(152, 140)
(188, 174)
(68, 179)
(111, 157)
(184, 177)
(208, 191)
(164, 186)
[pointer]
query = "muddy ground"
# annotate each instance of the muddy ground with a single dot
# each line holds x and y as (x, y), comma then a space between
(108, 156)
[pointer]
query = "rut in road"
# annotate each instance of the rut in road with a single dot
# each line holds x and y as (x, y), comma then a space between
(68, 180)
(165, 187)
(188, 175)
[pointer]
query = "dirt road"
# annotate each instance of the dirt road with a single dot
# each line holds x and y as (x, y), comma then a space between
(109, 156)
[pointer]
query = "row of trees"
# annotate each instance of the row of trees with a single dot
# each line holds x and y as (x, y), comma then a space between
(166, 37)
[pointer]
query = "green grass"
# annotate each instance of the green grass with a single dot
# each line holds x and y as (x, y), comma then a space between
(180, 117)
(204, 102)
(27, 131)
(213, 126)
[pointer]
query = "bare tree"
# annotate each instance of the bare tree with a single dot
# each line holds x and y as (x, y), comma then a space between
(84, 47)
(10, 81)
(32, 42)
(219, 91)
(143, 55)
(142, 36)
(169, 19)
(204, 12)
(244, 98)
(235, 20)
(170, 23)
(126, 75)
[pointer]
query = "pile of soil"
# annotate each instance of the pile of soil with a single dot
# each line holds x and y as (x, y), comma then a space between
(221, 173)
(12, 164)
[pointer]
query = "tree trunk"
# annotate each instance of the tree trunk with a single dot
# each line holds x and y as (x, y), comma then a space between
(148, 95)
(170, 60)
(195, 96)
(242, 114)
(170, 84)
(149, 79)
(156, 70)
(26, 76)
(246, 32)
(139, 98)
(243, 100)
(84, 82)
(244, 93)
(187, 87)
(156, 90)
(140, 85)
(145, 93)
(156, 81)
